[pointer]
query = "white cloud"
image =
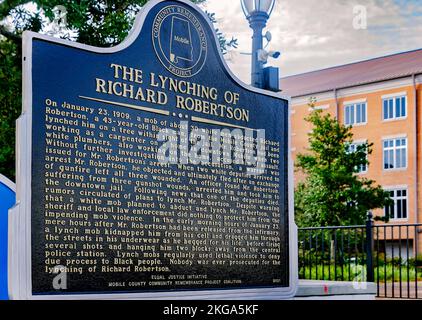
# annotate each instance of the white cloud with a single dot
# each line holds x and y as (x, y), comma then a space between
(314, 34)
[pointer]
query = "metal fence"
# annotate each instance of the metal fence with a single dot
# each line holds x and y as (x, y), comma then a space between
(381, 253)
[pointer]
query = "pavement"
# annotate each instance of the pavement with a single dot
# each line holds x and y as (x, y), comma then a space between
(335, 290)
(392, 290)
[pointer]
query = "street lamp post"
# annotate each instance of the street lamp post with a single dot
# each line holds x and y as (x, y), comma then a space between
(258, 12)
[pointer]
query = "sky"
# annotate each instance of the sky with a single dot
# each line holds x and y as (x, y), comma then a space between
(316, 34)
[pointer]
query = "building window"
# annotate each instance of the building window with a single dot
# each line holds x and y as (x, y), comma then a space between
(395, 153)
(363, 168)
(355, 114)
(394, 108)
(398, 209)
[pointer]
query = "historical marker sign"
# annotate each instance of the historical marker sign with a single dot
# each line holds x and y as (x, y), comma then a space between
(148, 169)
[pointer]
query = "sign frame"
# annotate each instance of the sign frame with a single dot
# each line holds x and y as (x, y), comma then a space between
(20, 281)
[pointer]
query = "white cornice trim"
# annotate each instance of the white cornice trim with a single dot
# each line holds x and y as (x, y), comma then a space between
(395, 94)
(361, 89)
(349, 102)
(320, 97)
(374, 87)
(360, 141)
(396, 136)
(395, 187)
(322, 107)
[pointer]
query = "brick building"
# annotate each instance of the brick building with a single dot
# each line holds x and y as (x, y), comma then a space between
(381, 98)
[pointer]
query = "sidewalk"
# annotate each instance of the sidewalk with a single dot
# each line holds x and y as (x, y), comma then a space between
(335, 290)
(407, 291)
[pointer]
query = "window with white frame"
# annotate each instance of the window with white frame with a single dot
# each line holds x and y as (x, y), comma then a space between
(394, 107)
(355, 114)
(395, 153)
(398, 209)
(352, 148)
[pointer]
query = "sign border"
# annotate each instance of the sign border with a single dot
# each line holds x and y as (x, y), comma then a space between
(20, 281)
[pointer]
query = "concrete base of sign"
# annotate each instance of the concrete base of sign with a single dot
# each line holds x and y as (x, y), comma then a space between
(335, 290)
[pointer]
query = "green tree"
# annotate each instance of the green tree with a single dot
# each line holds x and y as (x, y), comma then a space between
(102, 23)
(333, 193)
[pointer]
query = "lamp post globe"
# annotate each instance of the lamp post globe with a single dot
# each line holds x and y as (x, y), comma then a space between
(252, 6)
(257, 12)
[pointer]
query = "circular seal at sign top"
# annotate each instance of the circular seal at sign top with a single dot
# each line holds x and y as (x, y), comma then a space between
(180, 42)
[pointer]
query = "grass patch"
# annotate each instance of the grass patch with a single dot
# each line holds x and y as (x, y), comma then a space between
(388, 273)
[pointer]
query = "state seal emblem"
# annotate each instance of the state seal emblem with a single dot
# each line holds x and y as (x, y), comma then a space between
(179, 41)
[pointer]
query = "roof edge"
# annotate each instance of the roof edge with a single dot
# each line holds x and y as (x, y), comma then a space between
(351, 63)
(354, 85)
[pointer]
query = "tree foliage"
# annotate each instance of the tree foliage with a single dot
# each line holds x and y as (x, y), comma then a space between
(333, 193)
(225, 44)
(101, 23)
